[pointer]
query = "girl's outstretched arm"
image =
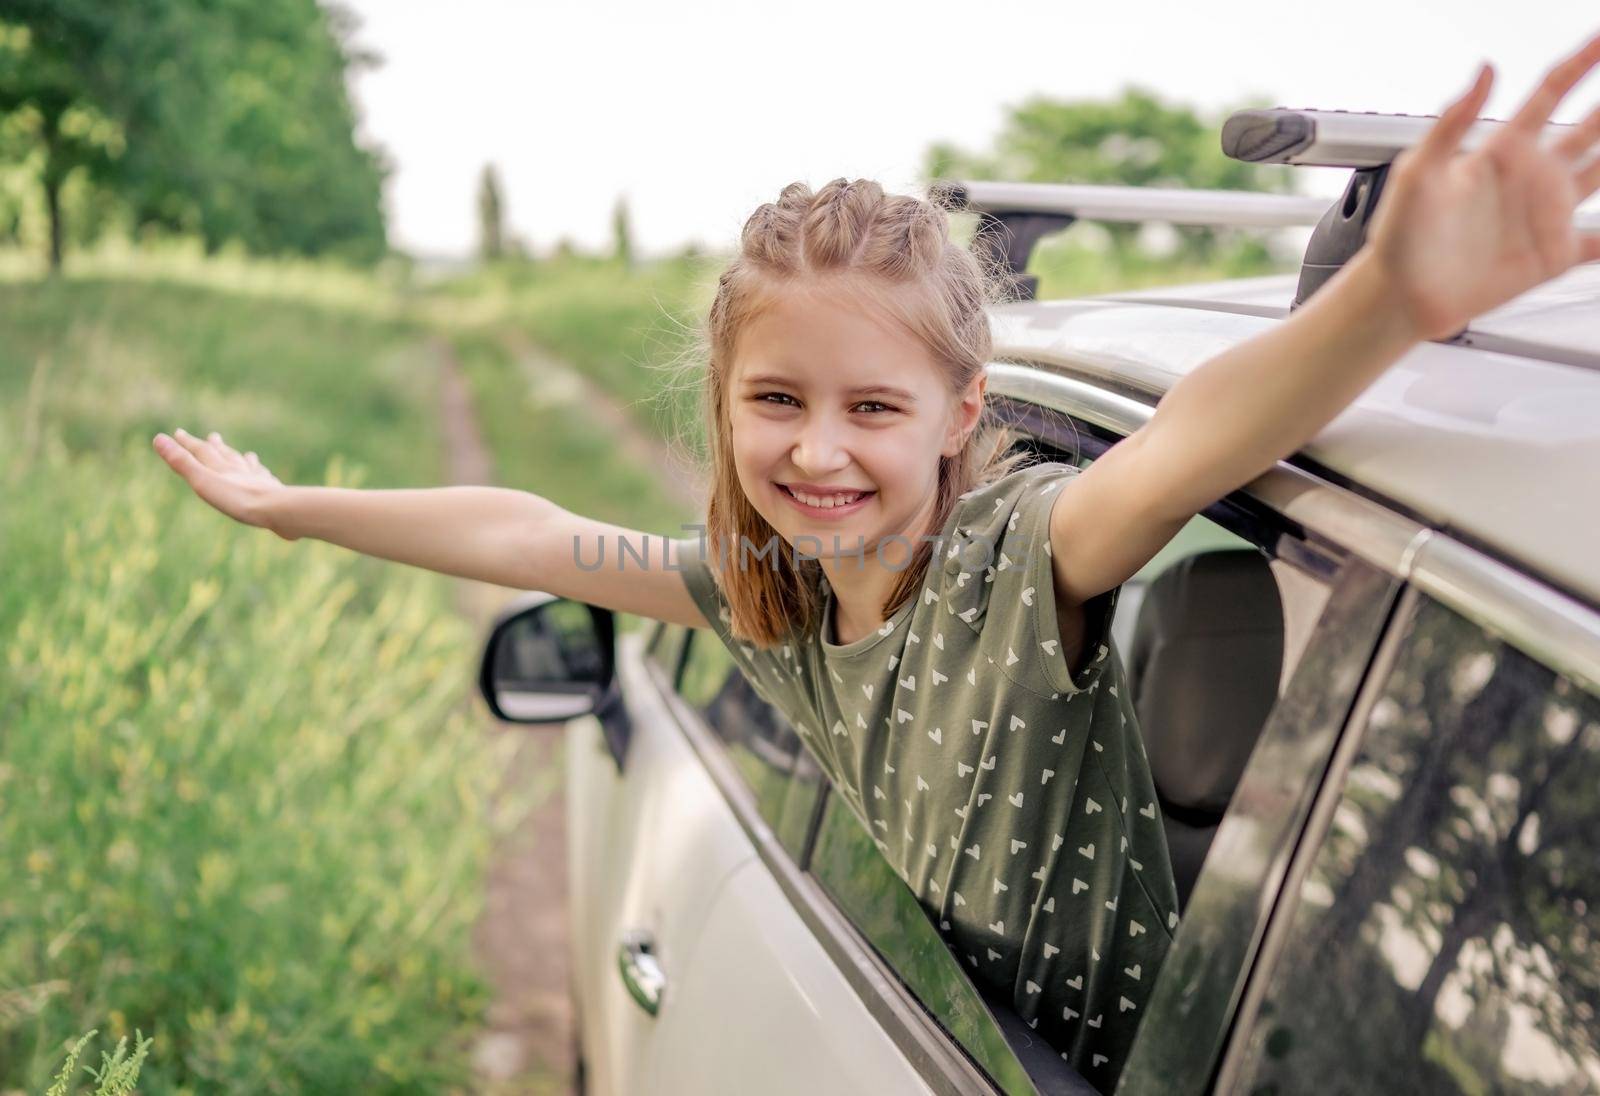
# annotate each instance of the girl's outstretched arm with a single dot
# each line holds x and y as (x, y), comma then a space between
(1454, 236)
(492, 534)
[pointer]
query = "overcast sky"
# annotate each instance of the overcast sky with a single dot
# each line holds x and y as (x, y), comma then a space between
(698, 112)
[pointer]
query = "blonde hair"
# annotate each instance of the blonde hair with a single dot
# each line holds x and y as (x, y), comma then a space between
(897, 251)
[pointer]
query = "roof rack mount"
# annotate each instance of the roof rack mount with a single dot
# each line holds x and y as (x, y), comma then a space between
(1014, 216)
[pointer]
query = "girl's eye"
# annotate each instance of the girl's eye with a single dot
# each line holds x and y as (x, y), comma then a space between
(874, 406)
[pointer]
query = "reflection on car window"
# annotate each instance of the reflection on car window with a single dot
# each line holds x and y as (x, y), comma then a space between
(760, 741)
(846, 861)
(1445, 939)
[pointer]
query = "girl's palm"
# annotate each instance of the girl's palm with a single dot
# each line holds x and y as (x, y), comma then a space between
(237, 484)
(1460, 234)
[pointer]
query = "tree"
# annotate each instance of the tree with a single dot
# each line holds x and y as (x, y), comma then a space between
(491, 216)
(1134, 140)
(621, 233)
(251, 137)
(53, 93)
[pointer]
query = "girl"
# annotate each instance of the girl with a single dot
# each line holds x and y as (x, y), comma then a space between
(933, 619)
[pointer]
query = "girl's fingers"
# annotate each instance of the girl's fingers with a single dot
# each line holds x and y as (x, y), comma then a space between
(1583, 135)
(1557, 82)
(179, 456)
(1443, 137)
(1589, 179)
(194, 445)
(228, 453)
(1589, 248)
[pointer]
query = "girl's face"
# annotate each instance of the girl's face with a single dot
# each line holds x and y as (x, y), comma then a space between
(830, 404)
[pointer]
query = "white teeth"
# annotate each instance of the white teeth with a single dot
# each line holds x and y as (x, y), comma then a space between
(826, 502)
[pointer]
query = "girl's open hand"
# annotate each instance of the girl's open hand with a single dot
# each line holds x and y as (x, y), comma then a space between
(1457, 235)
(237, 484)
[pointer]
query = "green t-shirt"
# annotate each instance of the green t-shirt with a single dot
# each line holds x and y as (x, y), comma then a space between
(1014, 800)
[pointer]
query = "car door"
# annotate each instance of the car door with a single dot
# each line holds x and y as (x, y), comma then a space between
(780, 995)
(1439, 932)
(650, 846)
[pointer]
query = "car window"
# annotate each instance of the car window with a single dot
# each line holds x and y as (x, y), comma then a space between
(1212, 632)
(1216, 626)
(846, 861)
(762, 744)
(1445, 934)
(1209, 633)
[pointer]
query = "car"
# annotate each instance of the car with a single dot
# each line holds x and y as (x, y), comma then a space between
(1368, 684)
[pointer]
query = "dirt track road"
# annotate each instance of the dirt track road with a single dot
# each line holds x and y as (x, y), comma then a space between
(521, 940)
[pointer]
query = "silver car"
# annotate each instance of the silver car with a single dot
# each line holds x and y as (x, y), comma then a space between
(1369, 685)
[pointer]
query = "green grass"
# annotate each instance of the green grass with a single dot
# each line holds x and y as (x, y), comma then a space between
(245, 805)
(627, 329)
(613, 321)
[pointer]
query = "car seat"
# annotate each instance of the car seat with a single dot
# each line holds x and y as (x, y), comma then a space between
(1203, 671)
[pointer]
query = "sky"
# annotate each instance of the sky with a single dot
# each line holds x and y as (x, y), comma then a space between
(698, 112)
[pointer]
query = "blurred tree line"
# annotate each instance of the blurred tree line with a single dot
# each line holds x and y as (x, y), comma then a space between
(1133, 140)
(228, 120)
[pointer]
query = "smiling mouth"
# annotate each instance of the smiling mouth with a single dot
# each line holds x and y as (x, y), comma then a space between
(831, 501)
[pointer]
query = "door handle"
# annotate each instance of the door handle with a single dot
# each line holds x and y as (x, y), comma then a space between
(641, 972)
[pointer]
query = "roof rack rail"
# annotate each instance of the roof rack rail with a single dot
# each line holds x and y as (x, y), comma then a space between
(1368, 143)
(1012, 217)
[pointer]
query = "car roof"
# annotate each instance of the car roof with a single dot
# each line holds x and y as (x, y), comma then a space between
(1495, 437)
(1559, 320)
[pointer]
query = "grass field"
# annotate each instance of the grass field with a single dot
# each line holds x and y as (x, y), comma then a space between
(245, 805)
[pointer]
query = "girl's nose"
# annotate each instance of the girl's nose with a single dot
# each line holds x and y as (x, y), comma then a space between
(818, 451)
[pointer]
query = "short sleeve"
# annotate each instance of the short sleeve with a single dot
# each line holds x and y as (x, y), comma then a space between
(779, 675)
(688, 558)
(767, 671)
(1019, 628)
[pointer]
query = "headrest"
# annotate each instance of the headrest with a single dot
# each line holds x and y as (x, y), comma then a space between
(1204, 663)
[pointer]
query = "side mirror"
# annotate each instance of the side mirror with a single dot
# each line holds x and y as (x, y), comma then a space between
(548, 660)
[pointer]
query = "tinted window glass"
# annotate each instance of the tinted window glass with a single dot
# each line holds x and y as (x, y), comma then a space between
(847, 863)
(1445, 937)
(762, 744)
